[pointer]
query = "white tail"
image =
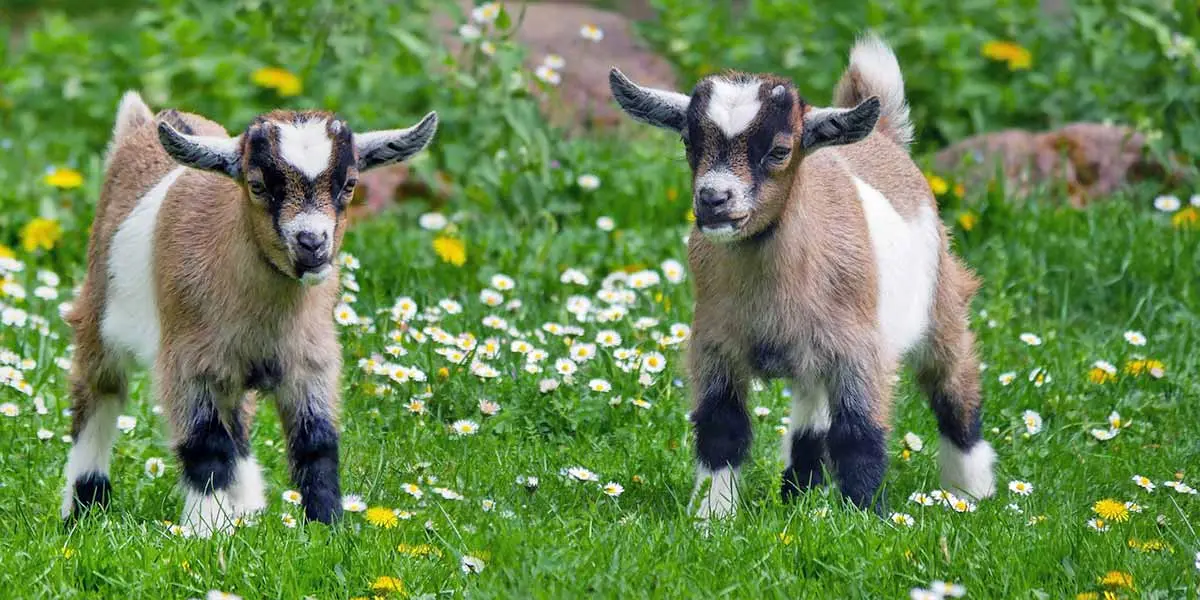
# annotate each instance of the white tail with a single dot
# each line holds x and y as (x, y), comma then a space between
(873, 71)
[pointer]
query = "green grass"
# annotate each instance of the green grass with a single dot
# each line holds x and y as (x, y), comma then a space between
(1077, 279)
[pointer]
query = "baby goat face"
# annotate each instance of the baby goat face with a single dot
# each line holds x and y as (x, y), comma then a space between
(743, 134)
(298, 170)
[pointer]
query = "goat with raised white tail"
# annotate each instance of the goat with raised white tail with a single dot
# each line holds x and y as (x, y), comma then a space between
(818, 256)
(212, 260)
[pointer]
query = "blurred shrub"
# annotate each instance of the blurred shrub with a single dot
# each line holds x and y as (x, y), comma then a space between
(1134, 62)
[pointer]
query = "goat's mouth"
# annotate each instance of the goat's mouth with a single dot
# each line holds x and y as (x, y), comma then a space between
(722, 226)
(312, 274)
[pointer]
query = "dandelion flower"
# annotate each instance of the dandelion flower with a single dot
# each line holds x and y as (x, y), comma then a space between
(1020, 488)
(155, 467)
(450, 250)
(387, 585)
(613, 489)
(63, 178)
(1135, 338)
(1117, 579)
(284, 82)
(1013, 54)
(40, 233)
(1111, 510)
(1102, 372)
(382, 517)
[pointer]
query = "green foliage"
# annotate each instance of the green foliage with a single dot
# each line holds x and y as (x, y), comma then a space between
(1132, 62)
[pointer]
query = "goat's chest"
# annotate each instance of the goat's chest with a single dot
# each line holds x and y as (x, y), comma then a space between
(769, 332)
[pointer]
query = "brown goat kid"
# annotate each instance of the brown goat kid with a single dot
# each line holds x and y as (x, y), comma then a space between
(818, 256)
(212, 260)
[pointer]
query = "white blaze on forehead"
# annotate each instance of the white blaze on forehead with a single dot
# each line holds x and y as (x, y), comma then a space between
(906, 258)
(306, 146)
(733, 105)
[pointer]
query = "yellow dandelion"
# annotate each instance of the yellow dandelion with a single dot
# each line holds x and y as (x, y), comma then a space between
(672, 194)
(690, 216)
(960, 190)
(786, 538)
(382, 517)
(450, 250)
(1017, 57)
(68, 552)
(1117, 579)
(1142, 366)
(6, 252)
(937, 184)
(40, 233)
(1100, 376)
(418, 550)
(968, 220)
(284, 82)
(1087, 596)
(64, 178)
(387, 585)
(1188, 218)
(1111, 510)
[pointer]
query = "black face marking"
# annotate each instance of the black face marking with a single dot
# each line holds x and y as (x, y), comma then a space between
(264, 375)
(342, 160)
(770, 360)
(721, 424)
(804, 463)
(831, 127)
(855, 441)
(91, 490)
(313, 450)
(208, 449)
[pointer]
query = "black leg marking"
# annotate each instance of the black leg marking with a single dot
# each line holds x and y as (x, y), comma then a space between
(264, 375)
(313, 449)
(804, 463)
(962, 430)
(856, 444)
(209, 450)
(91, 490)
(721, 424)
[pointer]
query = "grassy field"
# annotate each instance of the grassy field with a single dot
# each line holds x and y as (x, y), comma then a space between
(489, 474)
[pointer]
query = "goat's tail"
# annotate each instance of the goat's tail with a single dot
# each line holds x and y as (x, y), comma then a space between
(132, 113)
(873, 71)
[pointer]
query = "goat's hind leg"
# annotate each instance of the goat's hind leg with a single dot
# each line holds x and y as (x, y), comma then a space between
(948, 372)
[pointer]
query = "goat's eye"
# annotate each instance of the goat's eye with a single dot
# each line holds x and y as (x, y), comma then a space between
(348, 188)
(257, 188)
(777, 154)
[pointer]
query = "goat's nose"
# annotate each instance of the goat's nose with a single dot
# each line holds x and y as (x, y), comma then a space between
(310, 241)
(712, 198)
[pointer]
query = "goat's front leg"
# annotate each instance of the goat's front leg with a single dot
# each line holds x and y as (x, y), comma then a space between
(860, 400)
(308, 407)
(722, 430)
(210, 439)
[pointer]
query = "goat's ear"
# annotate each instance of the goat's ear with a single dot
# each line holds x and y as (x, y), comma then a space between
(835, 126)
(206, 152)
(389, 146)
(659, 108)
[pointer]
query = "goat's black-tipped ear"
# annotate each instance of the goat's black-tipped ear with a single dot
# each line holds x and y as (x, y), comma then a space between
(660, 108)
(210, 153)
(389, 146)
(835, 126)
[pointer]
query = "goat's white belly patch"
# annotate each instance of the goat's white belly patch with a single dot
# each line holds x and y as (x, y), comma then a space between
(130, 322)
(906, 258)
